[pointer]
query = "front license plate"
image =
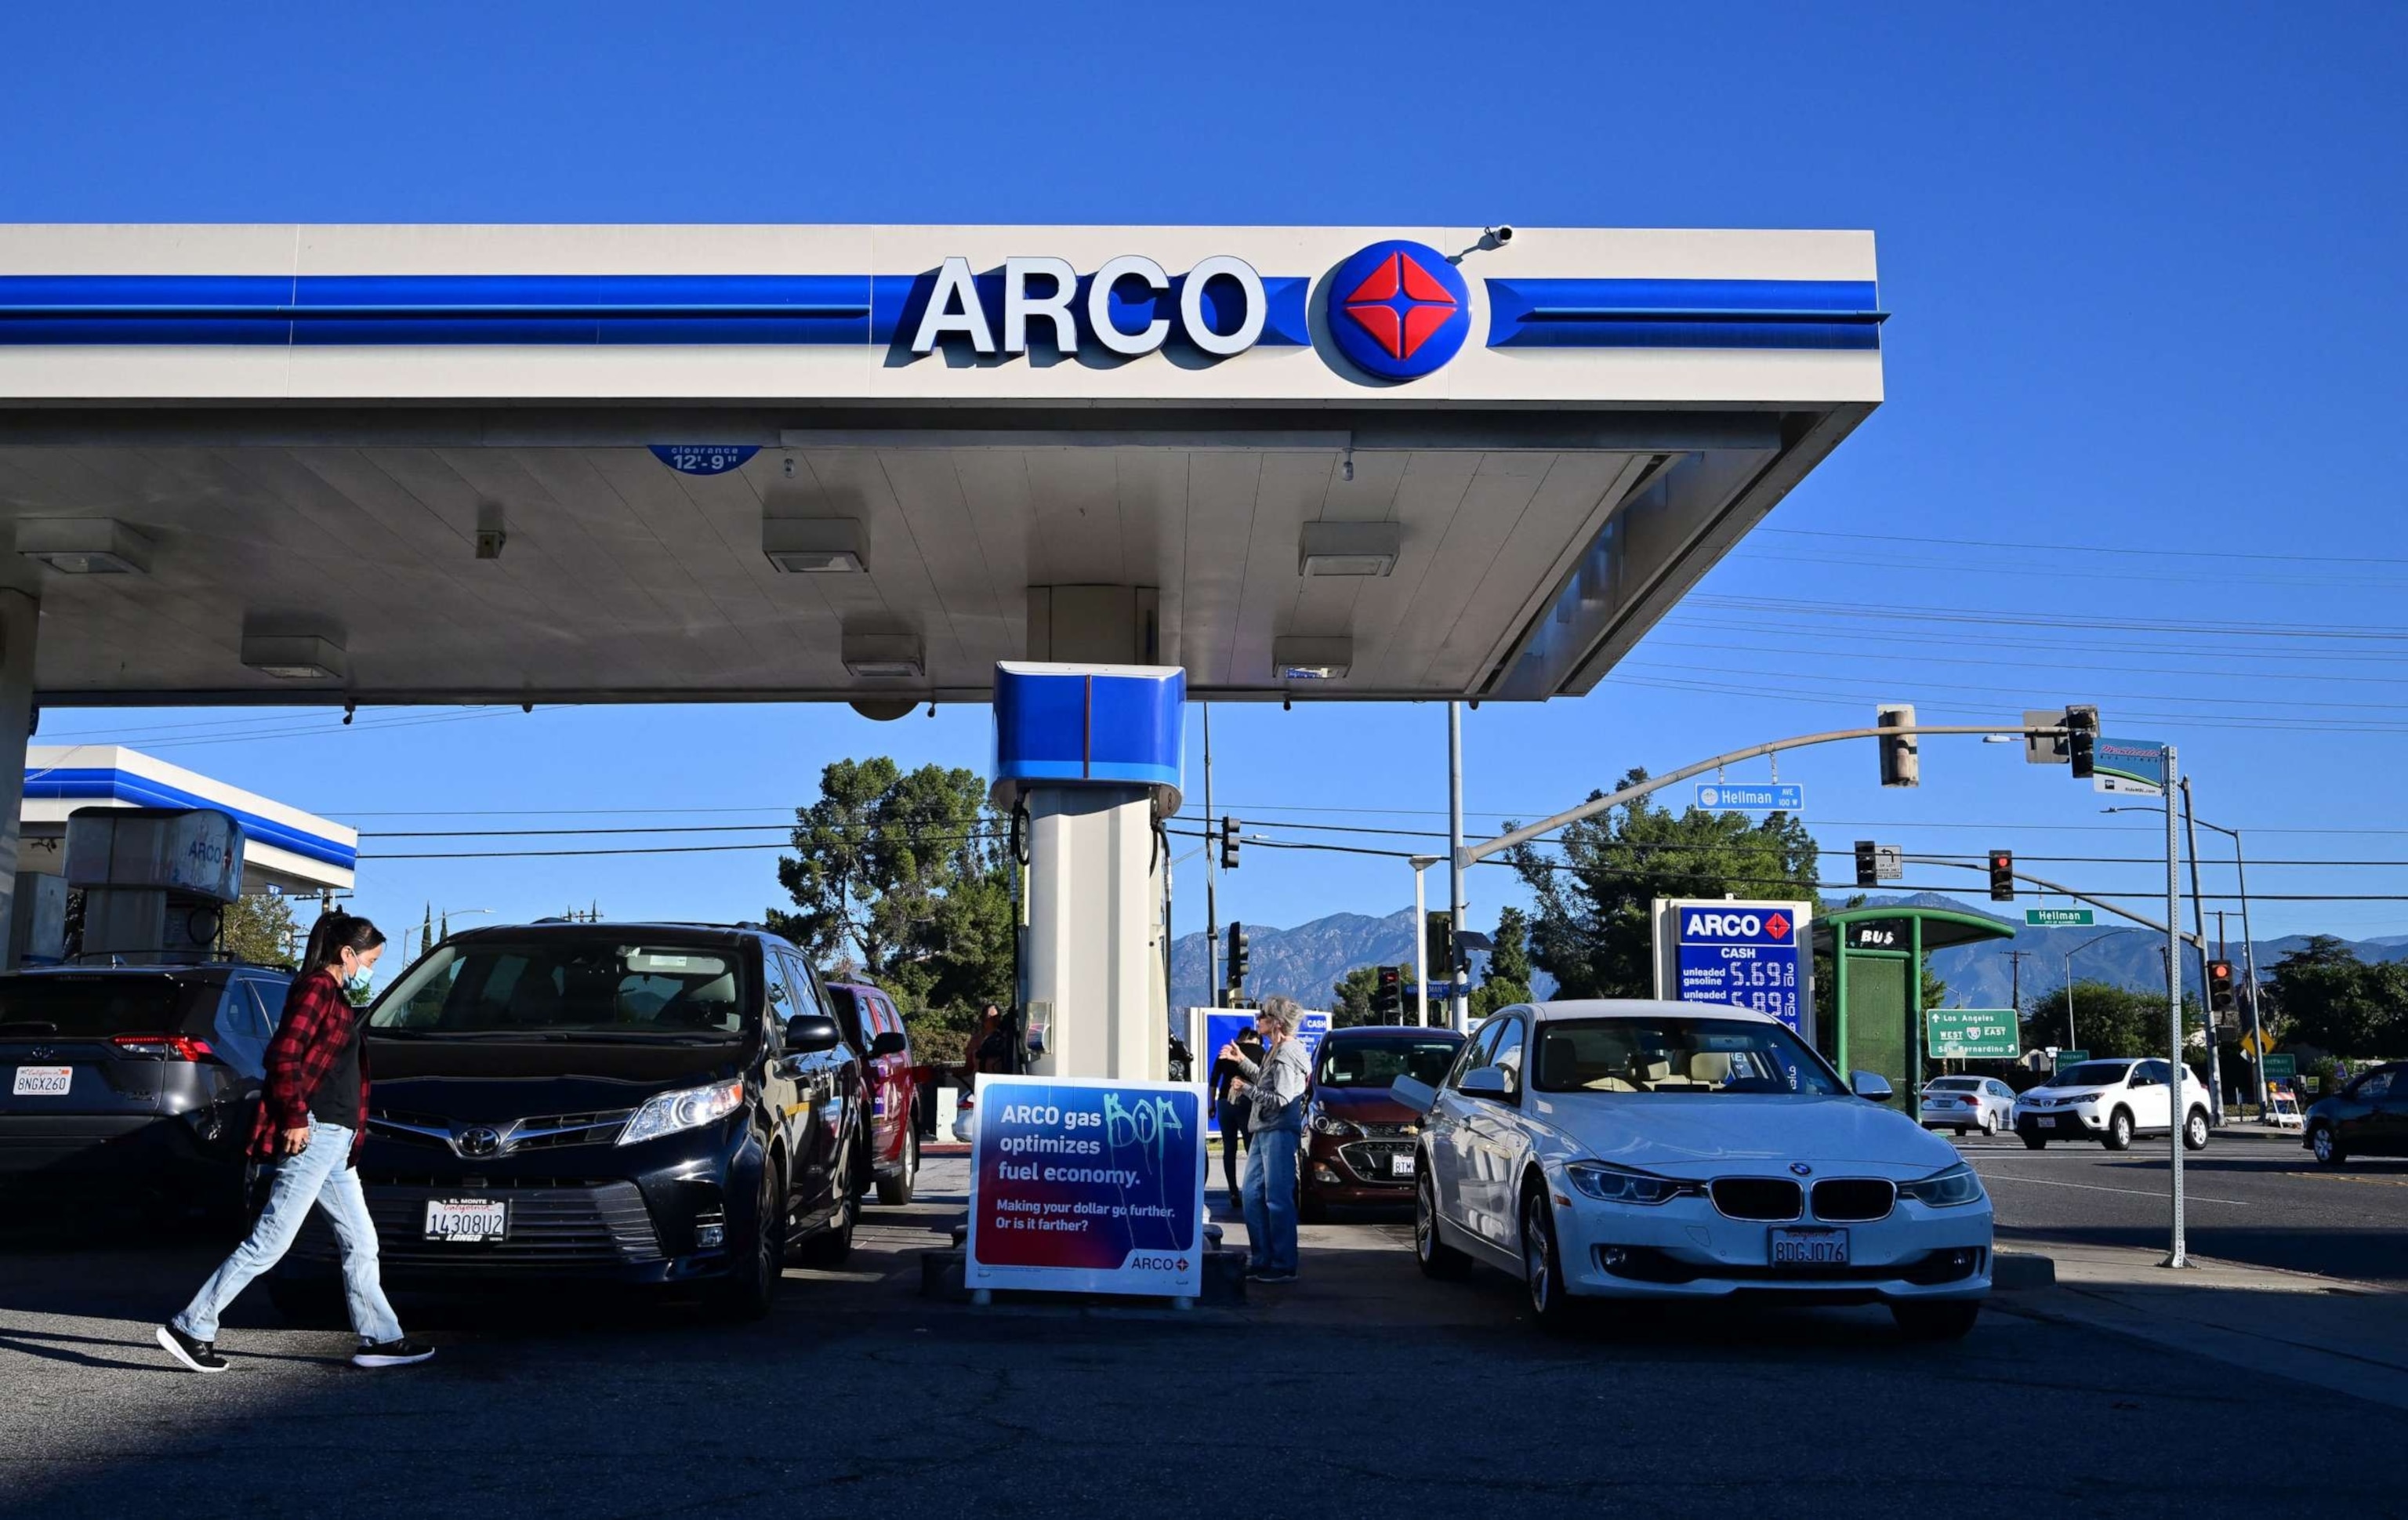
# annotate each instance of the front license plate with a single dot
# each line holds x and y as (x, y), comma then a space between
(42, 1082)
(466, 1219)
(2048, 1123)
(1810, 1248)
(1400, 1166)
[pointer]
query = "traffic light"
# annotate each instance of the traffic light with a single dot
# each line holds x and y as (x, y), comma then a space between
(1899, 762)
(1438, 945)
(2002, 876)
(1868, 867)
(1238, 956)
(1388, 995)
(2219, 986)
(2082, 743)
(1229, 844)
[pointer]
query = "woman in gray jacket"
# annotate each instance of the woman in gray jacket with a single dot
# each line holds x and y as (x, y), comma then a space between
(1273, 1132)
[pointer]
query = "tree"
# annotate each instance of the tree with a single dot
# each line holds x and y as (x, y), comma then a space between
(1593, 931)
(259, 929)
(2331, 1000)
(904, 877)
(2108, 1020)
(1352, 994)
(1508, 981)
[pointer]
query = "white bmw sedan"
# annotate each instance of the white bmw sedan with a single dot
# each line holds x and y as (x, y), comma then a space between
(1656, 1150)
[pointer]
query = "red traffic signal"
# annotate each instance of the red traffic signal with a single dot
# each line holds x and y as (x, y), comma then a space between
(2219, 984)
(2002, 876)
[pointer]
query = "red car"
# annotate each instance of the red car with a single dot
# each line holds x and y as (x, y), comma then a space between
(1359, 1138)
(874, 1028)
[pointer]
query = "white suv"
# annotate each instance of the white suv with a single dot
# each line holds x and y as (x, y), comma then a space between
(2112, 1101)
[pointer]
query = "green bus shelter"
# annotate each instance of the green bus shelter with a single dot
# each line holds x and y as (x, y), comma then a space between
(1876, 980)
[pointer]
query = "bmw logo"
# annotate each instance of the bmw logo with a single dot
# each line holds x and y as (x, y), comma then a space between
(1801, 1168)
(1398, 309)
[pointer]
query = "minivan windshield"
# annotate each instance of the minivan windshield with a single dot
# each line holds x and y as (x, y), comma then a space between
(2091, 1074)
(1677, 1056)
(570, 987)
(1378, 1061)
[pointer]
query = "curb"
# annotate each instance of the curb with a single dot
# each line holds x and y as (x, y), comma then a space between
(2021, 1272)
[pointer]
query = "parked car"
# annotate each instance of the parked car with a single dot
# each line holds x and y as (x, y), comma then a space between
(1965, 1104)
(2111, 1102)
(657, 1104)
(874, 1028)
(1629, 1149)
(133, 1084)
(2368, 1117)
(1359, 1140)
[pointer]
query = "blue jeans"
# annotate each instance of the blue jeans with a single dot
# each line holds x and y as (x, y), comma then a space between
(322, 1176)
(1270, 1199)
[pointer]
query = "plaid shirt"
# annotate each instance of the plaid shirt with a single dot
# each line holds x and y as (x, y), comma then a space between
(317, 1022)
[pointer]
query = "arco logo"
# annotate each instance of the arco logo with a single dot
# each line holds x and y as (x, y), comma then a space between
(1398, 309)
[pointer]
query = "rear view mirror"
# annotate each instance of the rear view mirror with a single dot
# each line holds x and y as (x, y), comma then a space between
(810, 1033)
(1870, 1085)
(1488, 1081)
(1414, 1094)
(890, 1043)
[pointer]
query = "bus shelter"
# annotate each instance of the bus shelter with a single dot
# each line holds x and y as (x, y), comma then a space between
(1875, 955)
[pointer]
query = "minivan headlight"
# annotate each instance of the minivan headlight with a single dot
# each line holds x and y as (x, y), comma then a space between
(1946, 1189)
(1610, 1183)
(670, 1113)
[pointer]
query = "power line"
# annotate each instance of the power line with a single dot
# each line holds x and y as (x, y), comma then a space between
(2219, 554)
(2020, 619)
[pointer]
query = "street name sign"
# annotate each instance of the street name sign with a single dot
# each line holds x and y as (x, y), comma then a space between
(1751, 797)
(2057, 918)
(2133, 766)
(1973, 1034)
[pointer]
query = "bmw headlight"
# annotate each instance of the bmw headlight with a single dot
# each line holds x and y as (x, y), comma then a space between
(1335, 1128)
(1946, 1189)
(1610, 1183)
(688, 1110)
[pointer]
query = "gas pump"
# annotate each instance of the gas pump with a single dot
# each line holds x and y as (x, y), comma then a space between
(1087, 765)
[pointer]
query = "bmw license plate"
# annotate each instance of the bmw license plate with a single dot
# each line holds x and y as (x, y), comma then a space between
(42, 1082)
(1401, 1166)
(1810, 1248)
(466, 1219)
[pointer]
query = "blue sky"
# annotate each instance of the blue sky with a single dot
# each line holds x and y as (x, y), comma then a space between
(2143, 262)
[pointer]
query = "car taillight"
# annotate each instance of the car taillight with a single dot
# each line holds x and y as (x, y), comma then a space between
(168, 1047)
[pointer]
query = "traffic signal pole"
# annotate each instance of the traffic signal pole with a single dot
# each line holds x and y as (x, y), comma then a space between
(1212, 876)
(2176, 1110)
(1421, 945)
(2206, 994)
(1459, 1004)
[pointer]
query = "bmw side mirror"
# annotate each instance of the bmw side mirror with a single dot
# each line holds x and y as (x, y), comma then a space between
(808, 1034)
(890, 1043)
(1488, 1081)
(1414, 1094)
(1870, 1086)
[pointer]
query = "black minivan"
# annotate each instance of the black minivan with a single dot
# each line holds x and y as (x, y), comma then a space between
(663, 1104)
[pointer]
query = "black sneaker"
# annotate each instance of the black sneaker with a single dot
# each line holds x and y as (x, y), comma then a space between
(391, 1354)
(200, 1355)
(1272, 1277)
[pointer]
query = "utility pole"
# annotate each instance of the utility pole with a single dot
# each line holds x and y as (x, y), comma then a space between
(2199, 927)
(1460, 1015)
(2015, 979)
(2179, 1112)
(1211, 876)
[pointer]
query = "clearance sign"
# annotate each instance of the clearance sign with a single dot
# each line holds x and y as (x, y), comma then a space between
(1741, 954)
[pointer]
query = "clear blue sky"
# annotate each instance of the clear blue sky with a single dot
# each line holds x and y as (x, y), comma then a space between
(2145, 264)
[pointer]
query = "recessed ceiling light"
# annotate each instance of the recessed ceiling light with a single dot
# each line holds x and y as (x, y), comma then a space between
(1313, 659)
(1348, 548)
(293, 656)
(815, 545)
(883, 656)
(84, 545)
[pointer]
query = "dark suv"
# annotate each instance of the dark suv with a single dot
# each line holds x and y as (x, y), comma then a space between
(665, 1104)
(133, 1083)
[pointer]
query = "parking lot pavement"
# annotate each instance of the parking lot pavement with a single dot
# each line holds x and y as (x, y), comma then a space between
(2256, 1200)
(1363, 1389)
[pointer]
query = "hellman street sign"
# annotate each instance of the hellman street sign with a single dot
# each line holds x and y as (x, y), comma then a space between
(1751, 797)
(2057, 918)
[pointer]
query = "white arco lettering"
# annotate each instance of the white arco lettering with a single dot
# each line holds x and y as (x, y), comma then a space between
(1053, 307)
(1099, 304)
(1191, 306)
(954, 307)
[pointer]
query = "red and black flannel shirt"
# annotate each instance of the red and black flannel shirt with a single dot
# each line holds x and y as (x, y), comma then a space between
(317, 1020)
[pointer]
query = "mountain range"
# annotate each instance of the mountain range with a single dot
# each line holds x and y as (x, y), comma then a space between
(1303, 962)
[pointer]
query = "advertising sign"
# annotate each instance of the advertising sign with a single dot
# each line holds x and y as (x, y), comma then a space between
(2057, 918)
(1745, 954)
(1086, 1186)
(1751, 797)
(1220, 1026)
(2134, 766)
(1971, 1034)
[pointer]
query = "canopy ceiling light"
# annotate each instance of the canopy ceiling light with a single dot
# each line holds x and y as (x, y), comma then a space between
(1313, 659)
(815, 545)
(293, 656)
(883, 656)
(1348, 548)
(84, 545)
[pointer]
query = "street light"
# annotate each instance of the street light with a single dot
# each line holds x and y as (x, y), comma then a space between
(2248, 962)
(1421, 864)
(445, 916)
(2070, 1043)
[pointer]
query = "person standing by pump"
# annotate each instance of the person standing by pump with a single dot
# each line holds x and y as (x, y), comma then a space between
(1233, 1108)
(1273, 1131)
(312, 1112)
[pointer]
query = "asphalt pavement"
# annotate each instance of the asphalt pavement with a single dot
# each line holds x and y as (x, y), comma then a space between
(1363, 1389)
(2261, 1200)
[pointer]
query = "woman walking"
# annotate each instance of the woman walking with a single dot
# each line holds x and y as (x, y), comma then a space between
(311, 1115)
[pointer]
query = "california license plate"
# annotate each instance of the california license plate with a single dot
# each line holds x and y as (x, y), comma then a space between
(1401, 1166)
(2047, 1122)
(42, 1082)
(1810, 1248)
(466, 1219)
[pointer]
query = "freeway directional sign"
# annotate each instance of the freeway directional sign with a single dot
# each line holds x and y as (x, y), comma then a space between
(1973, 1034)
(2057, 918)
(1751, 797)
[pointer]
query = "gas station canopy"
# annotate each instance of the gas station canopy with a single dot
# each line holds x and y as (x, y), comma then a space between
(423, 463)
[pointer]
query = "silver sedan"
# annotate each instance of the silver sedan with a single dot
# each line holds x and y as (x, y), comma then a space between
(1965, 1104)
